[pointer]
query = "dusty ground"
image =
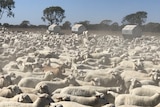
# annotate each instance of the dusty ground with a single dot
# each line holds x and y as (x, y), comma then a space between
(100, 32)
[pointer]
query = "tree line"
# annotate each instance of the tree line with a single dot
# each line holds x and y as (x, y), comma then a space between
(56, 14)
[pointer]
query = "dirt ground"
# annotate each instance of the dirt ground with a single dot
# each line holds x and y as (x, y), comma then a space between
(68, 32)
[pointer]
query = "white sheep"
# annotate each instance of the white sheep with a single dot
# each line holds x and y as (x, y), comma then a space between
(23, 98)
(41, 89)
(96, 100)
(32, 82)
(140, 91)
(67, 104)
(127, 99)
(53, 85)
(79, 91)
(43, 101)
(10, 91)
(5, 80)
(107, 79)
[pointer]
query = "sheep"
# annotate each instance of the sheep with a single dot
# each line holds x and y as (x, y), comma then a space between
(155, 79)
(95, 101)
(79, 91)
(100, 89)
(68, 104)
(107, 79)
(53, 85)
(23, 98)
(31, 82)
(57, 71)
(99, 55)
(152, 87)
(132, 106)
(93, 82)
(5, 80)
(140, 91)
(16, 80)
(134, 83)
(77, 82)
(10, 91)
(126, 77)
(42, 101)
(109, 105)
(41, 89)
(127, 99)
(140, 76)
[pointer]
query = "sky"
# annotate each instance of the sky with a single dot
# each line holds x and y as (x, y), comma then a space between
(80, 10)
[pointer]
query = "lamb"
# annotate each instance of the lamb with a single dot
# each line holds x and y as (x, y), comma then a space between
(107, 79)
(109, 105)
(31, 82)
(97, 100)
(125, 75)
(140, 91)
(152, 87)
(140, 76)
(5, 80)
(43, 101)
(127, 99)
(79, 91)
(57, 71)
(67, 104)
(99, 55)
(41, 89)
(155, 79)
(132, 106)
(23, 98)
(93, 82)
(53, 85)
(77, 82)
(10, 91)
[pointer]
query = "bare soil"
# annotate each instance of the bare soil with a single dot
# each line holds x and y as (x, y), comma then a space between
(68, 32)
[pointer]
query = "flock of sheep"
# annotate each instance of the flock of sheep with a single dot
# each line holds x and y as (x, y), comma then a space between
(86, 70)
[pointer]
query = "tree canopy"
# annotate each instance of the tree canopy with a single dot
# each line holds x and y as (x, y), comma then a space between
(135, 18)
(25, 23)
(6, 6)
(106, 22)
(66, 25)
(54, 14)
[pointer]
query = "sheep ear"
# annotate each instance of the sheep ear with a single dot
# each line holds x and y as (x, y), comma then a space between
(98, 94)
(9, 88)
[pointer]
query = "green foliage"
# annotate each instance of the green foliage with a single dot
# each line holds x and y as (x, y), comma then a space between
(6, 6)
(106, 22)
(54, 14)
(25, 23)
(66, 25)
(152, 27)
(135, 18)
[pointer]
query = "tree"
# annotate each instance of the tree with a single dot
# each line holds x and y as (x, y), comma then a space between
(135, 18)
(25, 23)
(114, 26)
(54, 14)
(152, 27)
(6, 6)
(106, 22)
(66, 25)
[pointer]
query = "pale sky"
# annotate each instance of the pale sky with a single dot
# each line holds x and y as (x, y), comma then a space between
(80, 10)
